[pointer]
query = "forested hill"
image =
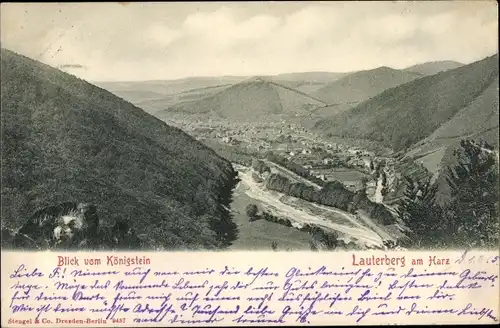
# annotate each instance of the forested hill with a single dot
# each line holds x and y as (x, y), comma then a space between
(65, 140)
(401, 116)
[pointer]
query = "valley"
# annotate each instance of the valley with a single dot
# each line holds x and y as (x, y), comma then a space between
(265, 119)
(292, 151)
(317, 130)
(323, 160)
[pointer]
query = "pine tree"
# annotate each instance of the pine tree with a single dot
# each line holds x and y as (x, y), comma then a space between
(472, 217)
(420, 214)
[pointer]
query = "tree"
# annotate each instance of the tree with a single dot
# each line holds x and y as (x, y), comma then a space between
(372, 166)
(323, 240)
(420, 214)
(472, 217)
(364, 182)
(260, 166)
(384, 179)
(251, 211)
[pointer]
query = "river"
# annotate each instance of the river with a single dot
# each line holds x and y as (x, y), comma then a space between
(260, 234)
(378, 198)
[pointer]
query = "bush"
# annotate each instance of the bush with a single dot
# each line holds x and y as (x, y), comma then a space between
(251, 210)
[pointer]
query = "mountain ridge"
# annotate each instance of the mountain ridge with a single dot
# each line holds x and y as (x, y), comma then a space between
(406, 114)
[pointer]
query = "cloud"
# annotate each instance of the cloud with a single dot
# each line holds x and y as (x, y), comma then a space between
(171, 40)
(161, 35)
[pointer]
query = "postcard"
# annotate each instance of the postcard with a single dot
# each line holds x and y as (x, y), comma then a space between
(249, 164)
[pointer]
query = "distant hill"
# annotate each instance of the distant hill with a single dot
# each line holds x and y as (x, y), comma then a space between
(153, 105)
(404, 115)
(314, 77)
(65, 140)
(362, 85)
(252, 98)
(169, 87)
(157, 95)
(431, 68)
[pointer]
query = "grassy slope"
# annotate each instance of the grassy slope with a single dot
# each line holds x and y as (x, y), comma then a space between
(64, 139)
(363, 85)
(404, 115)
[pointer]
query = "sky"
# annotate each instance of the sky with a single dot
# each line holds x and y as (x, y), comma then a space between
(163, 41)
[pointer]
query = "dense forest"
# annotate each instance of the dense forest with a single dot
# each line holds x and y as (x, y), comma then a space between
(401, 116)
(470, 219)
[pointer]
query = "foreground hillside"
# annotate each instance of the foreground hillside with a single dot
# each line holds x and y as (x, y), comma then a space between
(362, 85)
(65, 140)
(402, 116)
(252, 98)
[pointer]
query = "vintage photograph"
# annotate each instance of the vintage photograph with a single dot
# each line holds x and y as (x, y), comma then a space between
(233, 126)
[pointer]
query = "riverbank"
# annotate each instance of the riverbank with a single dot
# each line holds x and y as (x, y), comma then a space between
(260, 234)
(271, 201)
